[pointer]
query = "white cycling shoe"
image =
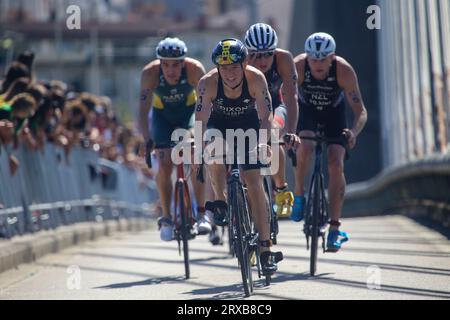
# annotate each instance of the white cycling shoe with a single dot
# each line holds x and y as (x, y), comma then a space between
(166, 229)
(204, 225)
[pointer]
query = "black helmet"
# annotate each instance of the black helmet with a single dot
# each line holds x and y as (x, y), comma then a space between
(229, 51)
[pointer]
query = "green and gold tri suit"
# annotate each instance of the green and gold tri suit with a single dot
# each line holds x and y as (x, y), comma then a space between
(173, 107)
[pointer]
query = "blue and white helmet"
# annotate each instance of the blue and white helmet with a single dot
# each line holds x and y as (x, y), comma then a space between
(320, 45)
(261, 37)
(171, 49)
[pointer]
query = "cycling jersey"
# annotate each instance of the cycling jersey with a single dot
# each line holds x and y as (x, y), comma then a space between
(173, 107)
(322, 104)
(239, 113)
(321, 94)
(274, 81)
(167, 96)
(222, 106)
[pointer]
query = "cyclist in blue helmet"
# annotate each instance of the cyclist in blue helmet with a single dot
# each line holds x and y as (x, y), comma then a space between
(235, 96)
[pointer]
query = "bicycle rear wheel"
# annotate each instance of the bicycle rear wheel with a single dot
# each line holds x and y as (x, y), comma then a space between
(241, 227)
(185, 228)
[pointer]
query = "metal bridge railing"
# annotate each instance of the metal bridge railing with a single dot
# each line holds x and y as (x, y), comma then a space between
(49, 190)
(419, 188)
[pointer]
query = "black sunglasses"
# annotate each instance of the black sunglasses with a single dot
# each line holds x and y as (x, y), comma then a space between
(262, 54)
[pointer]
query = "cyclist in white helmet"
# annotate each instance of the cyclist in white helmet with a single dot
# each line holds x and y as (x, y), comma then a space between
(279, 69)
(168, 86)
(325, 81)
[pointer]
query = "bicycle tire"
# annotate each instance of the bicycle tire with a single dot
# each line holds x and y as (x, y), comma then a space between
(240, 241)
(184, 226)
(230, 229)
(315, 225)
(272, 214)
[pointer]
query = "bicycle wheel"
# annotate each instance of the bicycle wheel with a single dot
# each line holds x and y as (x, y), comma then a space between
(271, 212)
(324, 213)
(185, 228)
(241, 228)
(230, 228)
(315, 196)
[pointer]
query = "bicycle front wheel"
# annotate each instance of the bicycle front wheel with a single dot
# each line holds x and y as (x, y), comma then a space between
(185, 228)
(241, 228)
(315, 225)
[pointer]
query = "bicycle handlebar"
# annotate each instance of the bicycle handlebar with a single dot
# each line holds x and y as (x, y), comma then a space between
(321, 139)
(150, 146)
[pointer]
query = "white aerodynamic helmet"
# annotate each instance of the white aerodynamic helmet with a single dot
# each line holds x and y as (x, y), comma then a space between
(320, 45)
(261, 37)
(171, 49)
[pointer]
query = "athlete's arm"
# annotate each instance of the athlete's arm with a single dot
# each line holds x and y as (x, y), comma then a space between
(289, 91)
(205, 96)
(348, 81)
(146, 100)
(300, 67)
(195, 72)
(263, 100)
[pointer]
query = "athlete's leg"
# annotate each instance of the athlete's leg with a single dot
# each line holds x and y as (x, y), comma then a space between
(199, 187)
(164, 180)
(218, 175)
(304, 157)
(260, 215)
(161, 132)
(335, 124)
(279, 121)
(215, 234)
(336, 183)
(258, 204)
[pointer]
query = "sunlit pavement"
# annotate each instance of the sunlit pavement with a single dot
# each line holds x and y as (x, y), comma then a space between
(389, 257)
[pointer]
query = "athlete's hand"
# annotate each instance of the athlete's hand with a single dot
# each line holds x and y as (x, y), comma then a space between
(292, 141)
(351, 137)
(264, 153)
(145, 151)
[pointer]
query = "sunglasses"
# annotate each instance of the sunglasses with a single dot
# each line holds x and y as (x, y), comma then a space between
(260, 55)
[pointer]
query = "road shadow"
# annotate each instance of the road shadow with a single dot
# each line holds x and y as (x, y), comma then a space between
(381, 250)
(235, 292)
(230, 292)
(326, 279)
(148, 282)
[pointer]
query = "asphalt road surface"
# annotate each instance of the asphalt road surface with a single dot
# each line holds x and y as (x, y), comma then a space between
(389, 257)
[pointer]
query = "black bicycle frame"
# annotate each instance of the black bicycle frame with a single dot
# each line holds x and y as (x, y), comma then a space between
(244, 239)
(317, 211)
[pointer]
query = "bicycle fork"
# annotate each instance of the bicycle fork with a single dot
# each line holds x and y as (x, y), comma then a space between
(317, 177)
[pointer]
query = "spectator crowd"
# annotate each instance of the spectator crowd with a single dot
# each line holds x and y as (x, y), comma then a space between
(34, 112)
